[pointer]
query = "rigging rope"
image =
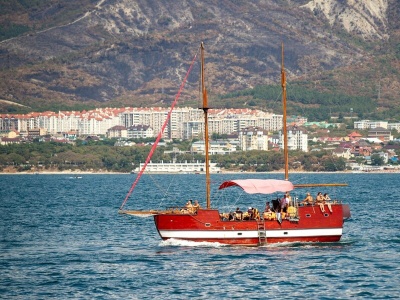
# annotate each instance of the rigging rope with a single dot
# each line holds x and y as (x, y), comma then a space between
(159, 134)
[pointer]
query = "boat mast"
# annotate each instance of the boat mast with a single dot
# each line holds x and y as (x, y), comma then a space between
(285, 135)
(206, 137)
(285, 138)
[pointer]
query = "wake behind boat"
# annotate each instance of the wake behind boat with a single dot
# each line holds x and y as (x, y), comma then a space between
(291, 221)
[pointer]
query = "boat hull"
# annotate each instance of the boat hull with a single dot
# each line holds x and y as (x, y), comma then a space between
(312, 225)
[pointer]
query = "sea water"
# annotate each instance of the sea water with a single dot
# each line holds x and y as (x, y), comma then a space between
(61, 237)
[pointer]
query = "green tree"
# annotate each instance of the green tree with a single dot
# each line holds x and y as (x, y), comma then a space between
(15, 159)
(360, 160)
(332, 164)
(377, 160)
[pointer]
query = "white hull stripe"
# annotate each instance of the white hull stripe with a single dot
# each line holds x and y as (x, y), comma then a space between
(237, 234)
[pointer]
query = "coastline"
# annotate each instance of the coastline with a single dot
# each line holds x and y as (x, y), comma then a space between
(79, 172)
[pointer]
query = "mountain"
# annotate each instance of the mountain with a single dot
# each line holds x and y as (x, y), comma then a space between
(75, 54)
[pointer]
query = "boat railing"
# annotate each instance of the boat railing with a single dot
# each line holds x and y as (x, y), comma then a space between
(182, 210)
(293, 214)
(332, 201)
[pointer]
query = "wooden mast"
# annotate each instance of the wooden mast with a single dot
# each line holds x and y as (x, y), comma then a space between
(206, 136)
(285, 135)
(285, 138)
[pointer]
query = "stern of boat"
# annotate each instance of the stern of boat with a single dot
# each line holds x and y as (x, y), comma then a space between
(346, 212)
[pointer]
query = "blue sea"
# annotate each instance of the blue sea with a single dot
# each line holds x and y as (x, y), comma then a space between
(62, 238)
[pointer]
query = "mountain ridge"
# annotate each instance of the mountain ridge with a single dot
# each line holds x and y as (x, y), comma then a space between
(122, 52)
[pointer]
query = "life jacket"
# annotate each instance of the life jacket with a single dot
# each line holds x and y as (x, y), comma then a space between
(291, 211)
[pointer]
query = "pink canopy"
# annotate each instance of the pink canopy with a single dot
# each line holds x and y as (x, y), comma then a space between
(260, 186)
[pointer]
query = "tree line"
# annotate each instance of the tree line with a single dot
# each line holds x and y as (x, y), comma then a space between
(320, 105)
(104, 156)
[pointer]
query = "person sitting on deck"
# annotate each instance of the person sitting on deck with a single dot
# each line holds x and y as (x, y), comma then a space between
(276, 205)
(283, 204)
(267, 207)
(248, 214)
(224, 216)
(320, 201)
(268, 214)
(327, 200)
(288, 199)
(308, 200)
(256, 214)
(189, 206)
(196, 205)
(238, 214)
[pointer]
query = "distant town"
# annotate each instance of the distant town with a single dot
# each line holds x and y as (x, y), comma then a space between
(365, 145)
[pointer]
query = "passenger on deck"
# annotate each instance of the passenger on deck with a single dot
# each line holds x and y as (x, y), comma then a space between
(319, 197)
(327, 200)
(283, 204)
(189, 206)
(196, 205)
(224, 216)
(256, 214)
(238, 214)
(276, 207)
(320, 201)
(267, 207)
(288, 199)
(267, 215)
(308, 200)
(250, 213)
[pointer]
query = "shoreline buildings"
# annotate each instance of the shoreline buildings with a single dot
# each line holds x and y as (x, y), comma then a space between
(185, 122)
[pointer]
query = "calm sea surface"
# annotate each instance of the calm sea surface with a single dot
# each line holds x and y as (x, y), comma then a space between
(62, 238)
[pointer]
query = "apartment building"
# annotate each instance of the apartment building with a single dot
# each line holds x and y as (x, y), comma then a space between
(184, 123)
(381, 134)
(392, 126)
(367, 124)
(140, 131)
(297, 139)
(253, 138)
(215, 147)
(117, 131)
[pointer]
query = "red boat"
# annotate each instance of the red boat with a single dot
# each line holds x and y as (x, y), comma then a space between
(300, 223)
(296, 223)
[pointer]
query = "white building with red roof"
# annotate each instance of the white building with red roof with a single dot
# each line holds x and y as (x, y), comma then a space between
(185, 122)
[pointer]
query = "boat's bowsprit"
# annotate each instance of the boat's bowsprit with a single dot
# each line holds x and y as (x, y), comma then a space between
(143, 212)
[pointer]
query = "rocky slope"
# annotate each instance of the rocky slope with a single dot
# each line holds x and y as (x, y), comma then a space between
(137, 52)
(366, 19)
